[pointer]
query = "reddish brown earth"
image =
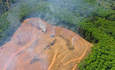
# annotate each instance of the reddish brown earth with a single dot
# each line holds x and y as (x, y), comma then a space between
(37, 45)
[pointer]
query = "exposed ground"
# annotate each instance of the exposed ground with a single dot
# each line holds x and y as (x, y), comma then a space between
(37, 45)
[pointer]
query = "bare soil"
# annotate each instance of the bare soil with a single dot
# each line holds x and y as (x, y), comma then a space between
(37, 45)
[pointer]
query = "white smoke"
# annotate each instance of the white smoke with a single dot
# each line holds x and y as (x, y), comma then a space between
(42, 26)
(70, 11)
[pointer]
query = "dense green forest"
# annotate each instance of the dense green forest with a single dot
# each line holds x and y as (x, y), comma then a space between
(4, 7)
(98, 28)
(101, 32)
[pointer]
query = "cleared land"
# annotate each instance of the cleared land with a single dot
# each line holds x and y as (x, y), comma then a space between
(37, 45)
